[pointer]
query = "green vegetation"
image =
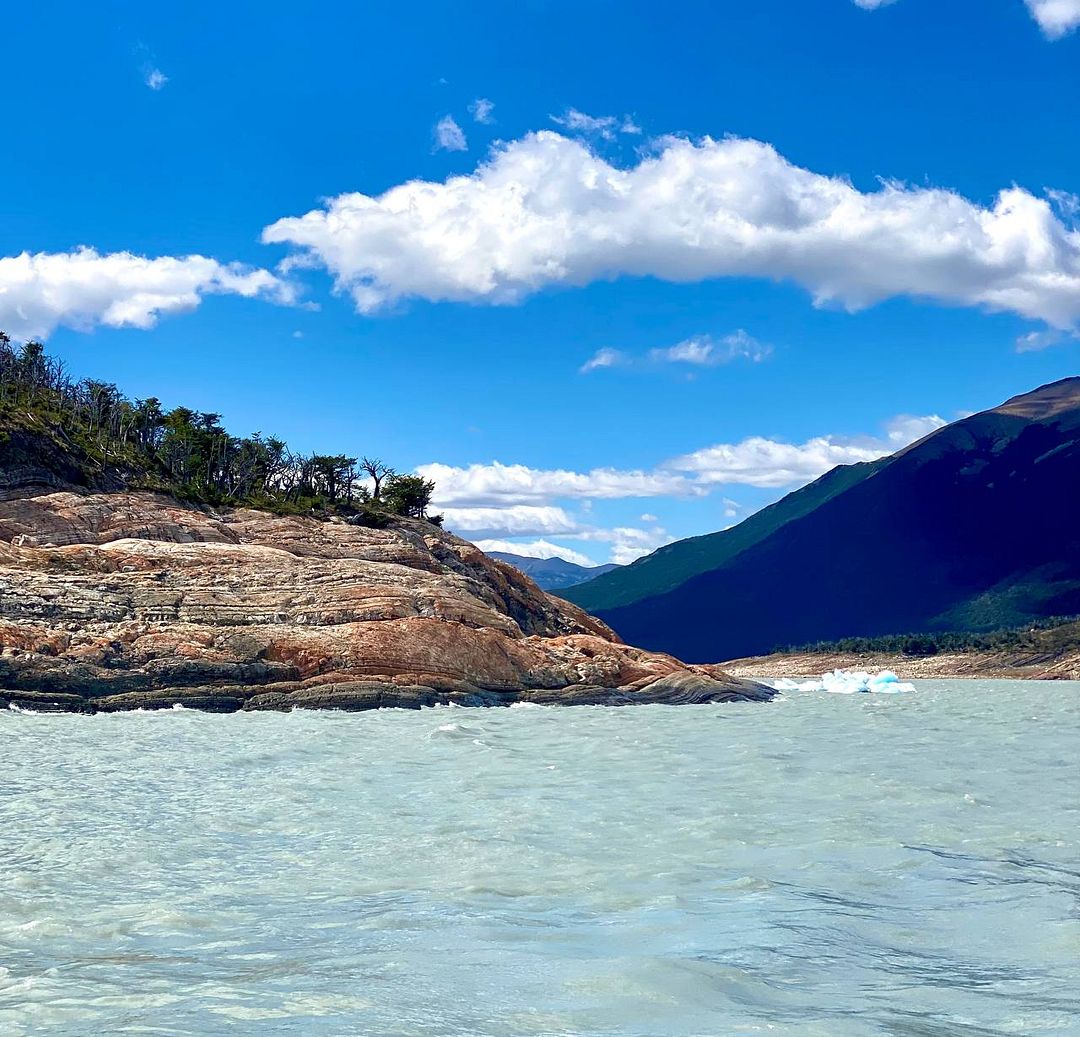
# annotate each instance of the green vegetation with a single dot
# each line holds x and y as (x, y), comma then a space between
(108, 438)
(1050, 634)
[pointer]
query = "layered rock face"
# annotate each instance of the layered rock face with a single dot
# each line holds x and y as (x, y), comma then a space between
(133, 600)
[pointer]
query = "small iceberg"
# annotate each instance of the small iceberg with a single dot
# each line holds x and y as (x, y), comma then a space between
(850, 682)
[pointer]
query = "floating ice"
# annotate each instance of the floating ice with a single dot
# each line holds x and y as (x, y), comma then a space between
(850, 682)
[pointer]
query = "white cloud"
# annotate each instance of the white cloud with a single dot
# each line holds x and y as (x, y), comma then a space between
(603, 126)
(481, 110)
(757, 461)
(83, 289)
(603, 358)
(449, 136)
(1033, 341)
(154, 78)
(514, 520)
(535, 549)
(707, 351)
(905, 429)
(496, 524)
(498, 485)
(699, 351)
(545, 210)
(515, 500)
(625, 553)
(627, 542)
(1056, 18)
(873, 5)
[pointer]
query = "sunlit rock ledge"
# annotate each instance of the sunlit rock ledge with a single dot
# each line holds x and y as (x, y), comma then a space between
(134, 600)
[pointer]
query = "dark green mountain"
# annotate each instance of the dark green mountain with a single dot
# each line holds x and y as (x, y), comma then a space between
(973, 528)
(552, 574)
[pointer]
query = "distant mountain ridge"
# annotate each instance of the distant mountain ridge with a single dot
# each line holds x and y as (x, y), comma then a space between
(552, 573)
(974, 527)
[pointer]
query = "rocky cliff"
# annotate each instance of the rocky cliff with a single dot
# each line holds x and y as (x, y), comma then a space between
(134, 600)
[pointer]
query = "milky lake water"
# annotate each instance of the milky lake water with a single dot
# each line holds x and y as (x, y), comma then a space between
(835, 866)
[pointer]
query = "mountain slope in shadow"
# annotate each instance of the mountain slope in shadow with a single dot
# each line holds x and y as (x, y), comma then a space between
(974, 527)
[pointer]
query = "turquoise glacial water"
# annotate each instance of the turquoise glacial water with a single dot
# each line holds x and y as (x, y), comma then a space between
(835, 866)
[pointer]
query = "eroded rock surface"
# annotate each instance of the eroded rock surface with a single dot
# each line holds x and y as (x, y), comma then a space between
(133, 600)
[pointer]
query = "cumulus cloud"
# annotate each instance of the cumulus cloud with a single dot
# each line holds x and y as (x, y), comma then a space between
(494, 524)
(905, 429)
(545, 210)
(82, 289)
(514, 520)
(756, 461)
(707, 351)
(535, 549)
(626, 544)
(482, 110)
(499, 485)
(625, 552)
(154, 78)
(873, 5)
(1056, 18)
(491, 529)
(501, 501)
(449, 136)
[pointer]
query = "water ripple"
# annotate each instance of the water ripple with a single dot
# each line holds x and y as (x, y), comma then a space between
(829, 866)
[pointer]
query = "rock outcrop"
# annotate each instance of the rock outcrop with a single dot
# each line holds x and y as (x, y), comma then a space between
(134, 600)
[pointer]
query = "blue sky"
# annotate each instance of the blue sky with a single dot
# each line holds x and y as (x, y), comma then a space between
(700, 251)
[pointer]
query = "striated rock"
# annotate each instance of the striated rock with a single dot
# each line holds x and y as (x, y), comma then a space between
(134, 600)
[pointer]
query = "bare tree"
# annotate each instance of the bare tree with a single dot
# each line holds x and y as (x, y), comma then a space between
(377, 471)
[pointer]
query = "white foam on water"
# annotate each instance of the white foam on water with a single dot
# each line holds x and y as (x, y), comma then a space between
(850, 682)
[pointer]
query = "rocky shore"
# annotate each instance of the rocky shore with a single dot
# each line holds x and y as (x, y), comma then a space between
(114, 601)
(1061, 664)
